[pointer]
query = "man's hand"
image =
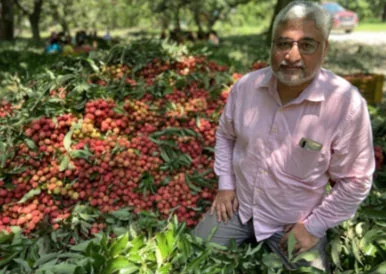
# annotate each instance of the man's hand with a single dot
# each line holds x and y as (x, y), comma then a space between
(304, 239)
(225, 204)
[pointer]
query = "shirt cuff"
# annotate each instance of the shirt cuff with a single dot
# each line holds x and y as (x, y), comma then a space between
(226, 182)
(315, 227)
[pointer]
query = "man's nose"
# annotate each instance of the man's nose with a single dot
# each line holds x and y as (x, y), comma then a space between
(293, 55)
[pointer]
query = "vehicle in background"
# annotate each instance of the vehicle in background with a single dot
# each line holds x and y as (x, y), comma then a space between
(343, 19)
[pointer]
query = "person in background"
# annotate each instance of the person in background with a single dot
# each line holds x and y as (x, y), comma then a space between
(107, 36)
(81, 43)
(54, 44)
(213, 38)
(68, 49)
(286, 130)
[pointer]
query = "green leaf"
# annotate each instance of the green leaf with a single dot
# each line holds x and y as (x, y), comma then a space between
(29, 195)
(92, 64)
(64, 163)
(46, 258)
(82, 87)
(132, 268)
(84, 154)
(119, 245)
(3, 154)
(355, 250)
(272, 260)
(119, 263)
(67, 141)
(122, 214)
(162, 250)
(5, 236)
(164, 269)
(335, 251)
(62, 268)
(194, 265)
(308, 256)
(290, 245)
(379, 269)
(24, 264)
(30, 143)
(83, 245)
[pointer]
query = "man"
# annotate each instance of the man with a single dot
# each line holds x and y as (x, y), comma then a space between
(285, 131)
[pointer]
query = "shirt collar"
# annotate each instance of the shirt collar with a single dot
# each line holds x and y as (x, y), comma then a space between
(314, 92)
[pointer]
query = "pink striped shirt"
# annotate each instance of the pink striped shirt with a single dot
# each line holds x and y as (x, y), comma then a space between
(281, 179)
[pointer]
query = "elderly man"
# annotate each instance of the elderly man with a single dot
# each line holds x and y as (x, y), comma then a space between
(286, 130)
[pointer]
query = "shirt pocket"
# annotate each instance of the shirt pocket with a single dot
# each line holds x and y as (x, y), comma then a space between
(304, 165)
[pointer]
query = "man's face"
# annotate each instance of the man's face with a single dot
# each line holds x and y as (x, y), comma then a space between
(297, 63)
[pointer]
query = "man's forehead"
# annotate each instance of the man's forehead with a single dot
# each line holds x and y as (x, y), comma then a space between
(299, 26)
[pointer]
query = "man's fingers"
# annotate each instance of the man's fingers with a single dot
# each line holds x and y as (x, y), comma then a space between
(218, 212)
(213, 207)
(229, 211)
(288, 228)
(224, 213)
(297, 249)
(235, 204)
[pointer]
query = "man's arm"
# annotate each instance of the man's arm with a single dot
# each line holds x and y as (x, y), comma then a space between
(225, 141)
(225, 202)
(351, 166)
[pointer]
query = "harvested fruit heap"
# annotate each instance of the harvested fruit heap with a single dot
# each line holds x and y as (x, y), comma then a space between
(143, 141)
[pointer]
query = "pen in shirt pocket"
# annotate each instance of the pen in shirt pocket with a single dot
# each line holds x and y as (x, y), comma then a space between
(310, 145)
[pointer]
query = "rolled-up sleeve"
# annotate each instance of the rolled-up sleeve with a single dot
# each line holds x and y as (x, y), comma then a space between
(352, 166)
(225, 141)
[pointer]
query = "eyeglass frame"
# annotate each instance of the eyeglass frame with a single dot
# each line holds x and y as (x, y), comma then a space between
(274, 41)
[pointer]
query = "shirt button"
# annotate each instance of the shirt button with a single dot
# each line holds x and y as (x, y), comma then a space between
(262, 171)
(274, 130)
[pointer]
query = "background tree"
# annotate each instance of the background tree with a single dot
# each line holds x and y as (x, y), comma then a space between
(6, 20)
(33, 12)
(171, 9)
(61, 12)
(208, 12)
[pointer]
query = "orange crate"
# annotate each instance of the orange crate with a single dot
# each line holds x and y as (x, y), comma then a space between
(370, 85)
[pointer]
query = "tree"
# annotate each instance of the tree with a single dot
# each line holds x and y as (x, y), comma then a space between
(6, 20)
(384, 12)
(33, 16)
(204, 13)
(170, 11)
(61, 11)
(210, 11)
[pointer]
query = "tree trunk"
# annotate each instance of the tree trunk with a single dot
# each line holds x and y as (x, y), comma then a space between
(34, 22)
(384, 13)
(197, 20)
(6, 20)
(61, 19)
(34, 19)
(279, 6)
(177, 19)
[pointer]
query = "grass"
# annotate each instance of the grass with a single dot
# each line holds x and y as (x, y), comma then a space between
(371, 26)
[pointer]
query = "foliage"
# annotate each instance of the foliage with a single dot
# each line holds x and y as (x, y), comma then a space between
(365, 9)
(133, 239)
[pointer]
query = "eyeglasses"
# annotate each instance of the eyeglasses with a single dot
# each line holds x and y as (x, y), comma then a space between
(305, 45)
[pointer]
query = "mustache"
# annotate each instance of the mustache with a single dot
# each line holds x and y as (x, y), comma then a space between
(299, 64)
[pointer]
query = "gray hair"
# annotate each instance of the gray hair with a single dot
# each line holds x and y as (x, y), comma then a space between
(305, 10)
